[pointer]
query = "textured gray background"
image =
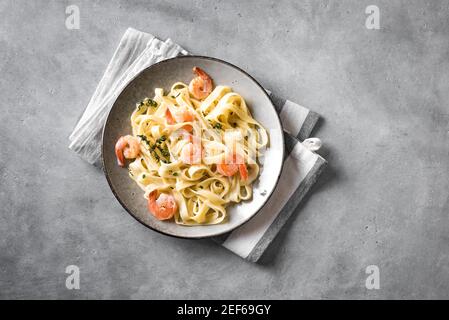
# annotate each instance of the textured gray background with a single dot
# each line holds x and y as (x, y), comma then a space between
(383, 200)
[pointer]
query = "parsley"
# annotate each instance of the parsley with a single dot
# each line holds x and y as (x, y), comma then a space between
(154, 153)
(141, 136)
(150, 102)
(147, 102)
(140, 105)
(175, 174)
(216, 125)
(165, 152)
(161, 139)
(143, 176)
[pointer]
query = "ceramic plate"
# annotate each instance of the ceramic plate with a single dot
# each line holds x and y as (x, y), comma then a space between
(163, 75)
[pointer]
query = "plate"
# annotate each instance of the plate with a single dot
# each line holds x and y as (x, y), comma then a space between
(162, 75)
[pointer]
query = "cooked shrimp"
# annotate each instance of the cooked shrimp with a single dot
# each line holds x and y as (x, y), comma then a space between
(200, 86)
(191, 153)
(243, 171)
(170, 119)
(235, 164)
(186, 135)
(126, 147)
(227, 169)
(163, 206)
(185, 116)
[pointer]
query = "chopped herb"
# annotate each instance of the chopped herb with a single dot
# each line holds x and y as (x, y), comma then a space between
(155, 155)
(141, 136)
(165, 152)
(161, 139)
(175, 174)
(178, 94)
(217, 126)
(140, 105)
(151, 103)
(143, 176)
(147, 102)
(152, 147)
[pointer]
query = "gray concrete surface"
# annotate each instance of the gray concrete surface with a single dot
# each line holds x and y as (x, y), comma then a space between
(383, 95)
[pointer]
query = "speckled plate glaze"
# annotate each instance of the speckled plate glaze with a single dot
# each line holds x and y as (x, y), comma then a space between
(163, 75)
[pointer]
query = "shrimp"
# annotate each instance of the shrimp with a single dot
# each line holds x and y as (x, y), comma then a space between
(126, 147)
(200, 86)
(184, 116)
(229, 169)
(163, 206)
(191, 153)
(170, 119)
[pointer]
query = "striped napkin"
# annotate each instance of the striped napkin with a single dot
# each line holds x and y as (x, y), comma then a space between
(138, 50)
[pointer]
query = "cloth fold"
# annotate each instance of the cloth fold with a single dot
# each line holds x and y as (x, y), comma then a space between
(136, 51)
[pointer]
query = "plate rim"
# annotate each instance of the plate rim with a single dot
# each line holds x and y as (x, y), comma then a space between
(110, 182)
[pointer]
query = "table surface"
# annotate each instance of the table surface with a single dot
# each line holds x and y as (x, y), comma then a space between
(383, 95)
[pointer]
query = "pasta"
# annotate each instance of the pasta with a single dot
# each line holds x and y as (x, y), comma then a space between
(195, 151)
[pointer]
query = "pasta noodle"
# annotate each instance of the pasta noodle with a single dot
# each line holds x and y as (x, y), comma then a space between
(201, 152)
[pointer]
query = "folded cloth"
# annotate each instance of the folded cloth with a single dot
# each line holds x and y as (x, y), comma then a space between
(138, 50)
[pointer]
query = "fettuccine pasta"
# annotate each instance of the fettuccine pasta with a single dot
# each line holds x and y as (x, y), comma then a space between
(195, 151)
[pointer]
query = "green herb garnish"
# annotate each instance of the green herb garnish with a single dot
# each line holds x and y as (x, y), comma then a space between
(151, 102)
(217, 126)
(147, 102)
(165, 152)
(161, 139)
(140, 106)
(175, 174)
(141, 136)
(154, 153)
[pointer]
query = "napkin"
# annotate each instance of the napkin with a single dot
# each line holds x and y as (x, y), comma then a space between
(136, 51)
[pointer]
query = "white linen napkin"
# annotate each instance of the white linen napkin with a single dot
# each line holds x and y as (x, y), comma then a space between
(138, 50)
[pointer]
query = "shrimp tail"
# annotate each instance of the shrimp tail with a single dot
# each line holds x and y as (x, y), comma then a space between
(243, 172)
(201, 73)
(170, 119)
